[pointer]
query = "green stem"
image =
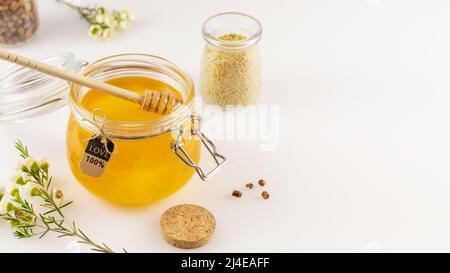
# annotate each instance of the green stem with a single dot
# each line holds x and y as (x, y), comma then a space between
(85, 12)
(65, 232)
(24, 219)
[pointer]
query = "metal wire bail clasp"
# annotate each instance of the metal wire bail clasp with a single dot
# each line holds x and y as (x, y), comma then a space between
(180, 152)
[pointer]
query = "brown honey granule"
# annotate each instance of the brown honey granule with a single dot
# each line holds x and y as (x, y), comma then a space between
(262, 182)
(249, 185)
(236, 193)
(265, 195)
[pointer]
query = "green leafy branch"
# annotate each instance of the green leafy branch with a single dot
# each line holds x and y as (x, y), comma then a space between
(33, 181)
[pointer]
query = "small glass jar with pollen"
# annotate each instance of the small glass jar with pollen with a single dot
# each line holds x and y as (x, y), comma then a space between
(230, 70)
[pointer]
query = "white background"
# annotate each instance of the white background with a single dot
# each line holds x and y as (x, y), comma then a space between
(364, 138)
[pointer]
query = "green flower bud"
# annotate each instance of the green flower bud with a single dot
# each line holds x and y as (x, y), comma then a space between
(20, 181)
(11, 207)
(15, 192)
(34, 166)
(35, 192)
(44, 165)
(101, 10)
(23, 168)
(15, 223)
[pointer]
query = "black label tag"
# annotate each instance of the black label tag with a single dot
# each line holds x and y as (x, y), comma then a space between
(96, 156)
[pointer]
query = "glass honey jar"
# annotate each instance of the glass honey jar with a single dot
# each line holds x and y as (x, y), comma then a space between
(152, 155)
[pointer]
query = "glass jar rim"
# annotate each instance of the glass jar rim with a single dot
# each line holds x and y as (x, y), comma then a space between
(138, 129)
(214, 40)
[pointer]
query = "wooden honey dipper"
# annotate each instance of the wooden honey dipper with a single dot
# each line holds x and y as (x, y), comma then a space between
(153, 101)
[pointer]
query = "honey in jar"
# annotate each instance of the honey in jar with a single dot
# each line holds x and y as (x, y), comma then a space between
(154, 154)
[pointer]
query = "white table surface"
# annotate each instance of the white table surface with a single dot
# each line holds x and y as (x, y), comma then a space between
(363, 158)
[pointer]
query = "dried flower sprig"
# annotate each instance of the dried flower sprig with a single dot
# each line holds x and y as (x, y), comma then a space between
(32, 182)
(103, 23)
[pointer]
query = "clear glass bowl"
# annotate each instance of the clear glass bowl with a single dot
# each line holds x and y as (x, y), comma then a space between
(25, 93)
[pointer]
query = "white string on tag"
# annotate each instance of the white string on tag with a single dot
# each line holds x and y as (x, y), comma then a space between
(100, 130)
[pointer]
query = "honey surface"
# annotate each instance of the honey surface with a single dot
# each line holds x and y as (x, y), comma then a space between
(118, 109)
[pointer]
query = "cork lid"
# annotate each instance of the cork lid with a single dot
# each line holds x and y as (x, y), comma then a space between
(187, 226)
(25, 93)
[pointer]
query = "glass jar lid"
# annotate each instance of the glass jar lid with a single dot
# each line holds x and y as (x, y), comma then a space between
(25, 93)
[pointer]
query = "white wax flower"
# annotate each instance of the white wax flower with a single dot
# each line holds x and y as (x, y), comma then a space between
(99, 18)
(19, 167)
(106, 34)
(108, 20)
(29, 161)
(29, 190)
(95, 30)
(123, 25)
(6, 201)
(15, 178)
(14, 188)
